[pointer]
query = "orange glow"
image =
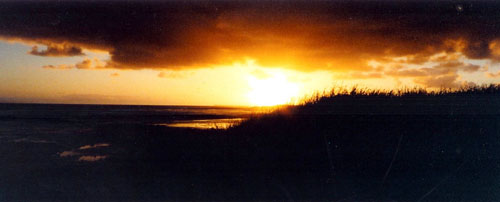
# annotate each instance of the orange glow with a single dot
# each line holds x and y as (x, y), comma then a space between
(274, 90)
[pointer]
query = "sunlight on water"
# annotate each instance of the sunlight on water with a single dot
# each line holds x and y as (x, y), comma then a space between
(88, 153)
(204, 123)
(92, 158)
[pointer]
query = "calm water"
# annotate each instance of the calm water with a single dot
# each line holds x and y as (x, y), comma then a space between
(52, 115)
(48, 150)
(63, 128)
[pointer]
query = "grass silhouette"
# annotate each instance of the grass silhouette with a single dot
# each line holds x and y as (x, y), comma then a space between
(380, 145)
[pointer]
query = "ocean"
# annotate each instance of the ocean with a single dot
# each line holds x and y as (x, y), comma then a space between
(49, 123)
(52, 115)
(46, 150)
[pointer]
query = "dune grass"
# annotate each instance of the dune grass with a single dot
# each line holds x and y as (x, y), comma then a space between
(356, 92)
(406, 144)
(342, 100)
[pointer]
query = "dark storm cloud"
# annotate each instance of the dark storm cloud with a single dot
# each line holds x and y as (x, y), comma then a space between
(300, 35)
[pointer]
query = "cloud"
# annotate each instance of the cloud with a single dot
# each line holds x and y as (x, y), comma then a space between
(446, 81)
(331, 35)
(57, 50)
(434, 74)
(94, 64)
(470, 68)
(61, 67)
(114, 74)
(451, 67)
(444, 74)
(492, 75)
(90, 64)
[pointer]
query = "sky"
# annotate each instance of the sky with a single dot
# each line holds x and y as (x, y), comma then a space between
(239, 52)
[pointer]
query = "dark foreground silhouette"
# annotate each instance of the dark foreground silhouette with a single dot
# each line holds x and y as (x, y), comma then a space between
(348, 146)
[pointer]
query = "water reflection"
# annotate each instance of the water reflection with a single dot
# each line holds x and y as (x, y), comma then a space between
(89, 153)
(204, 123)
(94, 146)
(32, 140)
(92, 158)
(68, 153)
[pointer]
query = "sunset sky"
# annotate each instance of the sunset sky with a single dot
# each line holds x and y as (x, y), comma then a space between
(239, 52)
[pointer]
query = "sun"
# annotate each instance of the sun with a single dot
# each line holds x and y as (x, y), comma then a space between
(272, 90)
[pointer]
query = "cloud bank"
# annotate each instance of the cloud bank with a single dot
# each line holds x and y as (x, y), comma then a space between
(298, 35)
